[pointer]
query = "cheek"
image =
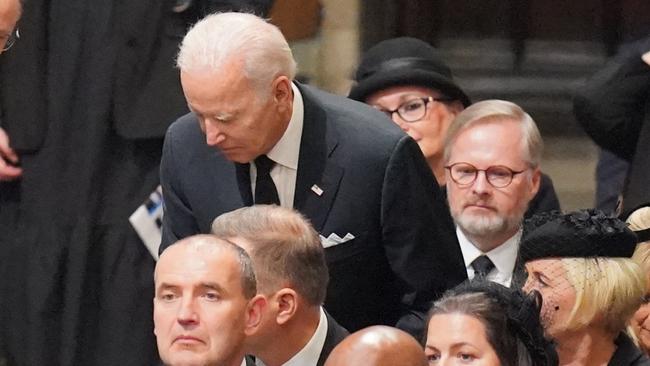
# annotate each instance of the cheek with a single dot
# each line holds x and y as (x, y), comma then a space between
(551, 310)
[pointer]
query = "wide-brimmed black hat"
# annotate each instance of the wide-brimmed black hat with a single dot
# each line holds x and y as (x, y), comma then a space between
(404, 61)
(580, 234)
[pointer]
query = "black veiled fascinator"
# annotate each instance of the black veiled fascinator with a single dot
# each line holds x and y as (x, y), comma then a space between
(580, 234)
(522, 311)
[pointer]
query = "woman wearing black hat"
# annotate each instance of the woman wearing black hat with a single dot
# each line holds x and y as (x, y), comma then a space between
(580, 264)
(484, 323)
(408, 80)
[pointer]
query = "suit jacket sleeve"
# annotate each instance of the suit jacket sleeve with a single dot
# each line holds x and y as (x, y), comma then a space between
(610, 105)
(175, 204)
(418, 233)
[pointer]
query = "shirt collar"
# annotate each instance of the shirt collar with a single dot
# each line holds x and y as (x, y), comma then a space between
(286, 151)
(310, 353)
(503, 256)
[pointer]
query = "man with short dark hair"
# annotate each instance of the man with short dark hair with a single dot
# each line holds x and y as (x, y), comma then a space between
(292, 275)
(378, 346)
(205, 302)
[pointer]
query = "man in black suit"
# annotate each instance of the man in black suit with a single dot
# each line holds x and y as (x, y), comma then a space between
(614, 109)
(292, 275)
(255, 136)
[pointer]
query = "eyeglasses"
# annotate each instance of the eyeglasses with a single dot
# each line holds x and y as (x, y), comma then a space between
(498, 176)
(413, 110)
(11, 39)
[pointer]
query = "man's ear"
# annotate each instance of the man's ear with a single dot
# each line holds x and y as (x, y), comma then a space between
(254, 314)
(282, 92)
(287, 302)
(535, 179)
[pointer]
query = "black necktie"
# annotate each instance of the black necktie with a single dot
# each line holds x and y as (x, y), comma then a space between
(482, 266)
(265, 191)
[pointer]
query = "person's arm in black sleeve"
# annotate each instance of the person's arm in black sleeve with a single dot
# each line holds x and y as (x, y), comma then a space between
(610, 105)
(418, 234)
(178, 220)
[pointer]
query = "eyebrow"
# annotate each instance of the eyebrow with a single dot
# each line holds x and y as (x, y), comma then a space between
(211, 286)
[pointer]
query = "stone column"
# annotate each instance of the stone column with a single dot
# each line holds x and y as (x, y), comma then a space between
(339, 48)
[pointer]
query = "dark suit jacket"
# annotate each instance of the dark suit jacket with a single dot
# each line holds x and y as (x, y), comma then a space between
(627, 354)
(376, 185)
(614, 109)
(335, 334)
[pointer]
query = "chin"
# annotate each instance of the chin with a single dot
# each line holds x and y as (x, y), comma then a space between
(186, 359)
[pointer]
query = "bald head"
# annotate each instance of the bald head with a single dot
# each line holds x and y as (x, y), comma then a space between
(201, 246)
(378, 346)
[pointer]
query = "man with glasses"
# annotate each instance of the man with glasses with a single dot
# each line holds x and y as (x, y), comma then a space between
(492, 156)
(408, 80)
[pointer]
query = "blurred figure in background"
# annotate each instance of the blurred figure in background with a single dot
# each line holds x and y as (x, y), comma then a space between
(613, 108)
(87, 94)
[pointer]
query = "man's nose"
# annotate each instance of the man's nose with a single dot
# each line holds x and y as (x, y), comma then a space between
(187, 313)
(481, 184)
(213, 134)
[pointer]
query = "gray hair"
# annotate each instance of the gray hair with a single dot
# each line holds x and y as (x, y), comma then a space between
(247, 273)
(285, 247)
(227, 37)
(494, 111)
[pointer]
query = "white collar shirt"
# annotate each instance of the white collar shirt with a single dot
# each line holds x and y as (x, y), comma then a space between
(504, 257)
(285, 154)
(310, 353)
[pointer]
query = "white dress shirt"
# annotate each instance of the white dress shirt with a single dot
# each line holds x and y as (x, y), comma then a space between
(285, 154)
(504, 257)
(310, 353)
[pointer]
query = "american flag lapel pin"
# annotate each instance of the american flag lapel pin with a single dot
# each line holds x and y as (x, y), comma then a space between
(316, 189)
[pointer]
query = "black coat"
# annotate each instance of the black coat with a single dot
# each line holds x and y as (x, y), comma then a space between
(375, 185)
(614, 109)
(86, 95)
(627, 354)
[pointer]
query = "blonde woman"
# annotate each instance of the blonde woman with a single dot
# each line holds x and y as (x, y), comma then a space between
(590, 288)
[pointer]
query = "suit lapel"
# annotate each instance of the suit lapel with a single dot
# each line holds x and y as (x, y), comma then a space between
(335, 334)
(318, 178)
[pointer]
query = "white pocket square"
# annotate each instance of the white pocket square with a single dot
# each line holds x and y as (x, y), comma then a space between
(334, 239)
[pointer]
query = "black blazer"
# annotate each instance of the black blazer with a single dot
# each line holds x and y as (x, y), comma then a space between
(376, 185)
(627, 354)
(614, 109)
(335, 334)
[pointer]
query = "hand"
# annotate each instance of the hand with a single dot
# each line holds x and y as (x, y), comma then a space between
(646, 57)
(7, 159)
